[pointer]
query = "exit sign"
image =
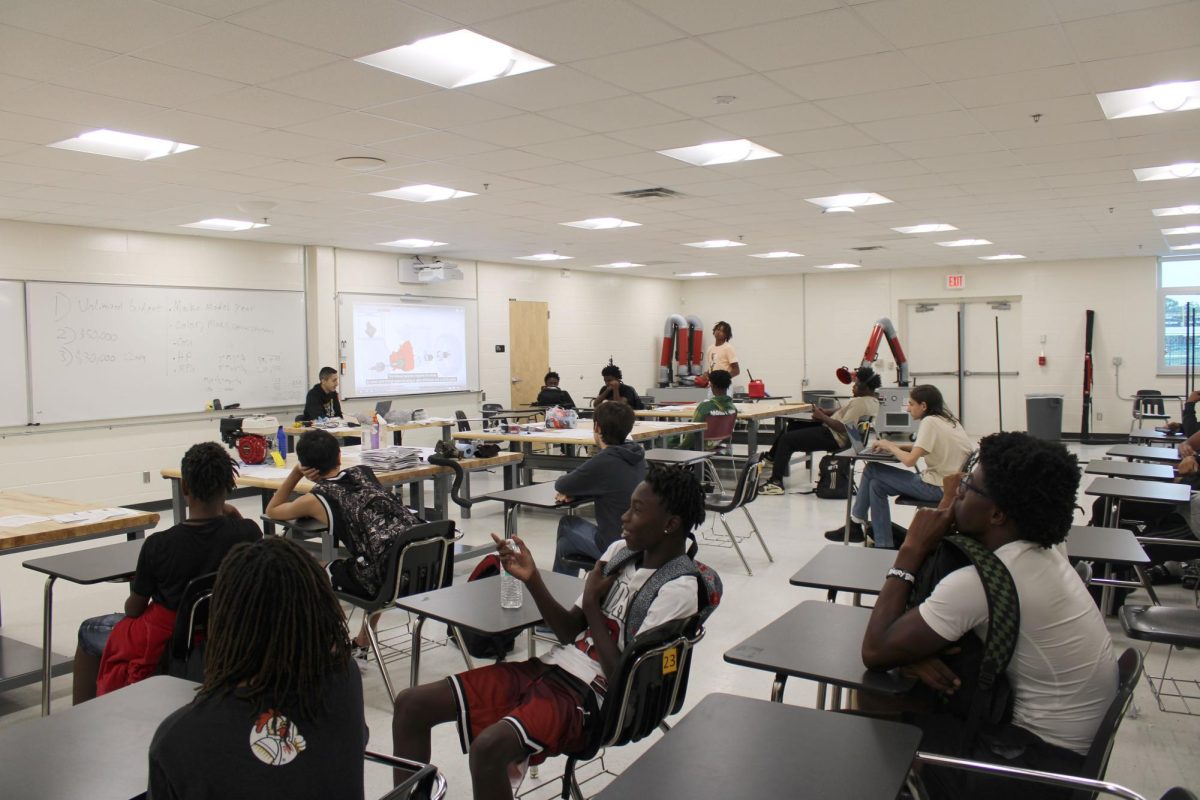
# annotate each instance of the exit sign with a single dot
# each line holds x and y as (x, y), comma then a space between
(956, 281)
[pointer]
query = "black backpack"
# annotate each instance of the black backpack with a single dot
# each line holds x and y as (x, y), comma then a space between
(484, 645)
(833, 477)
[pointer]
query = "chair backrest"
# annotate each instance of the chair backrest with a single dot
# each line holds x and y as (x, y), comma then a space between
(647, 399)
(1148, 401)
(417, 561)
(718, 428)
(488, 412)
(1129, 671)
(424, 782)
(746, 489)
(182, 657)
(461, 416)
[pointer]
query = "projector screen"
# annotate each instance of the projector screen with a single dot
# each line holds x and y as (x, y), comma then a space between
(407, 345)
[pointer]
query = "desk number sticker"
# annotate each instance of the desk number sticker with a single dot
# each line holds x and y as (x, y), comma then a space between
(278, 459)
(670, 662)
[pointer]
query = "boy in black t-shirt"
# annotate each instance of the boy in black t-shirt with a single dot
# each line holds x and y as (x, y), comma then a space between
(615, 390)
(322, 399)
(551, 395)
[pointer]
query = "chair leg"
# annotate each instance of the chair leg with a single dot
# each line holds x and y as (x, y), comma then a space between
(414, 657)
(736, 546)
(757, 533)
(387, 679)
(462, 646)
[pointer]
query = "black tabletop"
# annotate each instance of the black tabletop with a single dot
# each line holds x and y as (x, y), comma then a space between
(775, 751)
(1130, 469)
(666, 455)
(1141, 452)
(476, 605)
(1105, 544)
(96, 749)
(94, 565)
(846, 569)
(1156, 436)
(1146, 491)
(820, 642)
(538, 495)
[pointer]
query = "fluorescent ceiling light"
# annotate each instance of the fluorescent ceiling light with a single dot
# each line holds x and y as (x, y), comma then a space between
(777, 254)
(1163, 98)
(841, 265)
(1170, 172)
(545, 257)
(695, 274)
(1181, 231)
(455, 59)
(848, 202)
(1002, 257)
(715, 243)
(931, 227)
(416, 243)
(620, 265)
(1176, 211)
(123, 145)
(713, 153)
(601, 223)
(227, 225)
(965, 243)
(423, 193)
(1195, 246)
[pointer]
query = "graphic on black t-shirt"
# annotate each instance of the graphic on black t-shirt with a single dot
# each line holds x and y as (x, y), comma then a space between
(274, 739)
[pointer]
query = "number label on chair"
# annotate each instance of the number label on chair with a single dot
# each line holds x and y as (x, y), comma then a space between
(670, 661)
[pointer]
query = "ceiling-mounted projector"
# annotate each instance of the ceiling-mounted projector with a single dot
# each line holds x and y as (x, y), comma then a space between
(414, 270)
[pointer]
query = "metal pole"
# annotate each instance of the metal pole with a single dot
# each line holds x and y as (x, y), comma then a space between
(962, 403)
(999, 392)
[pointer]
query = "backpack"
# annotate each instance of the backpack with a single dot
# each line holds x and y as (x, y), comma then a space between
(984, 700)
(833, 477)
(707, 580)
(484, 645)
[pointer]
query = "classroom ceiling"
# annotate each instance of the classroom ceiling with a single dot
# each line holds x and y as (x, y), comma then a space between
(976, 113)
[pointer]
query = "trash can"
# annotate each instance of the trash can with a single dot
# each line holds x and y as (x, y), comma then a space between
(1043, 416)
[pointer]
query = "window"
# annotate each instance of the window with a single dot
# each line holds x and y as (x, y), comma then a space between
(1178, 290)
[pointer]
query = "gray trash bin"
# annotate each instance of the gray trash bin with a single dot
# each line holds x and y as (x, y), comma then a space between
(1043, 416)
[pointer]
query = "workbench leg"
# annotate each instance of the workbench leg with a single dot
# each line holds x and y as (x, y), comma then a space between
(178, 506)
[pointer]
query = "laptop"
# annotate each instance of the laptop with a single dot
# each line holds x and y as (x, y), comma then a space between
(383, 407)
(862, 449)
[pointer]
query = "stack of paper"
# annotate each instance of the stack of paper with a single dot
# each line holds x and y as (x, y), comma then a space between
(391, 458)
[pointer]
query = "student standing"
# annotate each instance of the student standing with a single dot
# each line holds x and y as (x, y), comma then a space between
(721, 354)
(322, 399)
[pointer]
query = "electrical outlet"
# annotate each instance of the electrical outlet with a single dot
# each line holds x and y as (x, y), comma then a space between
(1117, 361)
(145, 477)
(1099, 416)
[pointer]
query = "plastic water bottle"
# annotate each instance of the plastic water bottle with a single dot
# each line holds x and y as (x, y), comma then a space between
(281, 442)
(375, 433)
(512, 593)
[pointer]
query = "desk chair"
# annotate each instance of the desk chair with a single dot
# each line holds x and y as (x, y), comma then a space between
(1086, 787)
(463, 424)
(183, 657)
(1148, 404)
(743, 494)
(1095, 763)
(717, 438)
(1176, 627)
(423, 783)
(303, 530)
(488, 412)
(418, 561)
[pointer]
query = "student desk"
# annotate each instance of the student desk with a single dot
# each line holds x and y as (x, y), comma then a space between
(643, 431)
(1113, 546)
(1156, 437)
(818, 641)
(837, 568)
(1115, 490)
(95, 750)
(729, 746)
(866, 455)
(750, 413)
(364, 431)
(20, 663)
(538, 495)
(475, 605)
(1141, 452)
(1134, 470)
(115, 562)
(267, 478)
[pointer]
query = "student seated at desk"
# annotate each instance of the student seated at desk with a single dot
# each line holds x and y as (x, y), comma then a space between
(119, 649)
(322, 399)
(551, 395)
(614, 390)
(825, 431)
(720, 404)
(512, 714)
(280, 712)
(1018, 502)
(941, 441)
(1189, 425)
(608, 478)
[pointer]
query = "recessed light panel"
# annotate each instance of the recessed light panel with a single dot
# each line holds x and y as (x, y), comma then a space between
(455, 59)
(413, 243)
(601, 223)
(620, 265)
(695, 274)
(1170, 172)
(1177, 211)
(123, 145)
(226, 225)
(710, 243)
(713, 153)
(849, 201)
(1003, 257)
(424, 193)
(1181, 231)
(1195, 246)
(965, 243)
(777, 254)
(1163, 98)
(841, 265)
(930, 227)
(545, 257)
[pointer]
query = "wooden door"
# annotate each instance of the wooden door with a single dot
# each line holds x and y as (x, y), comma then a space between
(528, 348)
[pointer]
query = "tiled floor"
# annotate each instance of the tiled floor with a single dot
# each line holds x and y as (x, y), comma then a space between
(1154, 750)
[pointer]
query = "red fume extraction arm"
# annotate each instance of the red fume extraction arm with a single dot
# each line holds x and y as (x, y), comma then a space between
(883, 327)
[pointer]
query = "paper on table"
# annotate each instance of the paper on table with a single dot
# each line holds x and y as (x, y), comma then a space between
(92, 515)
(19, 520)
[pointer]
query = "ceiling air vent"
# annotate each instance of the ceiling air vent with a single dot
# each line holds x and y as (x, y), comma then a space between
(865, 248)
(655, 193)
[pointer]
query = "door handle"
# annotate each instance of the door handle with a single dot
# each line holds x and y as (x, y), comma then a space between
(516, 380)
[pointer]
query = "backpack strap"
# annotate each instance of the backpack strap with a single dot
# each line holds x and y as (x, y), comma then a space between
(639, 605)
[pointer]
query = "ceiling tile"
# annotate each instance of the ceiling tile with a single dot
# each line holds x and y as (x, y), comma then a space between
(102, 23)
(898, 103)
(544, 89)
(846, 76)
(833, 138)
(502, 161)
(581, 148)
(1038, 135)
(1050, 112)
(469, 12)
(435, 146)
(782, 119)
(238, 54)
(872, 154)
(350, 84)
(556, 174)
(86, 111)
(352, 29)
(662, 66)
(444, 110)
(748, 93)
(579, 29)
(809, 39)
(950, 146)
(1146, 31)
(1016, 87)
(35, 130)
(521, 130)
(261, 107)
(216, 9)
(41, 58)
(355, 127)
(147, 82)
(698, 18)
(997, 54)
(925, 126)
(1147, 69)
(672, 134)
(601, 116)
(909, 23)
(1098, 148)
(1068, 10)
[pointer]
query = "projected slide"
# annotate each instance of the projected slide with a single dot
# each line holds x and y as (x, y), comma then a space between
(408, 349)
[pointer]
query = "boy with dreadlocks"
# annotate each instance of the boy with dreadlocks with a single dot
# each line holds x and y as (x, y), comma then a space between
(278, 689)
(510, 712)
(116, 650)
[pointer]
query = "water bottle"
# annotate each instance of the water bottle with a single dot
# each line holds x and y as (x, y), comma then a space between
(375, 434)
(512, 593)
(281, 442)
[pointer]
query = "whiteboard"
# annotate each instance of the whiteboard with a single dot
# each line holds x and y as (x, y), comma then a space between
(108, 352)
(15, 408)
(395, 345)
